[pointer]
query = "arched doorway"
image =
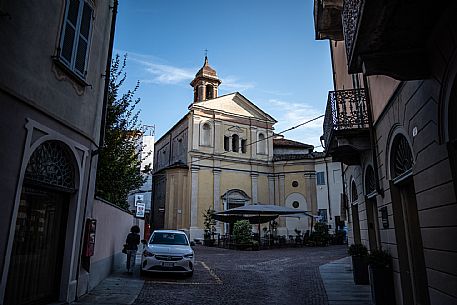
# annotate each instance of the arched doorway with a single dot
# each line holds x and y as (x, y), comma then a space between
(371, 208)
(407, 230)
(36, 258)
(232, 199)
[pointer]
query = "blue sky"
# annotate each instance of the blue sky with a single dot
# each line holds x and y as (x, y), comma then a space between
(264, 49)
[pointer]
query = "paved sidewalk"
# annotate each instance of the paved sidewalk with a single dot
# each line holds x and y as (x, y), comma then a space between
(339, 284)
(119, 288)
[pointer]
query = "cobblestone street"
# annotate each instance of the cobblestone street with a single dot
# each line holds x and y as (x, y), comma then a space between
(279, 276)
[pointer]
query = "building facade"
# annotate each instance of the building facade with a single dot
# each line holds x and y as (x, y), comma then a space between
(51, 100)
(223, 154)
(329, 190)
(391, 120)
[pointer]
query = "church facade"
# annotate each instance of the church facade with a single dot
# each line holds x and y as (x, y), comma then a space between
(223, 154)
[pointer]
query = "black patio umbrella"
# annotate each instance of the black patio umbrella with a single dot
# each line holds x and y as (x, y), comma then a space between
(253, 219)
(263, 209)
(260, 213)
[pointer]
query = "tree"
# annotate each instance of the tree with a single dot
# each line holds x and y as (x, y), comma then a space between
(209, 223)
(119, 164)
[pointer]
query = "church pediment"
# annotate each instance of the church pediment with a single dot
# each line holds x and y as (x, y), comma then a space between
(236, 104)
(235, 129)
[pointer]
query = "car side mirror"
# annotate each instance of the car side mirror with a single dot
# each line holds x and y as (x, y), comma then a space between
(192, 243)
(144, 241)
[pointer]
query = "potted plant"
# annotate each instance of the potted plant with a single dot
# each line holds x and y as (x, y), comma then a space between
(381, 277)
(359, 255)
(242, 231)
(210, 227)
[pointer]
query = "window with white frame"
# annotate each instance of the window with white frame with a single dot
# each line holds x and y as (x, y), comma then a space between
(320, 178)
(75, 39)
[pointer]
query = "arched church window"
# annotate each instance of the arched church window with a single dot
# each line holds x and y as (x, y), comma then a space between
(261, 144)
(243, 146)
(226, 143)
(235, 143)
(206, 134)
(209, 92)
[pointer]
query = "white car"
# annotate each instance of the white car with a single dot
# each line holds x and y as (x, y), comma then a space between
(168, 251)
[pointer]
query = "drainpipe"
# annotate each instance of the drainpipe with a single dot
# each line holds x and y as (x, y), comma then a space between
(372, 132)
(328, 190)
(108, 72)
(102, 126)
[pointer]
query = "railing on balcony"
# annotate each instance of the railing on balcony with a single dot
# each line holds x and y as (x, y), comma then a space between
(346, 110)
(351, 16)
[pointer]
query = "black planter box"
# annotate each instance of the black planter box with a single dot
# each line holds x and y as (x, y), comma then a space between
(360, 270)
(382, 285)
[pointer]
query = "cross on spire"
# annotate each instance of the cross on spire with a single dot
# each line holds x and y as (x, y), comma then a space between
(206, 52)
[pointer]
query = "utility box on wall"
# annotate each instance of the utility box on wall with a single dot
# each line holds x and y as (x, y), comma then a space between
(89, 237)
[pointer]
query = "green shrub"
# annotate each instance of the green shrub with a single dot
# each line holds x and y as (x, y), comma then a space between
(380, 259)
(357, 250)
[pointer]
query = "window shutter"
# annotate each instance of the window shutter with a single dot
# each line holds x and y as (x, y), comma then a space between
(70, 31)
(83, 40)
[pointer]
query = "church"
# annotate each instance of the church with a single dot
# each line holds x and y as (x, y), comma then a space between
(223, 154)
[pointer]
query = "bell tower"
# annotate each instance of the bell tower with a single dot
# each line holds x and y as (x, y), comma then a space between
(205, 83)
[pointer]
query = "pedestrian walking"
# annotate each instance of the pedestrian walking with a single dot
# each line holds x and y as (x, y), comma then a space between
(131, 245)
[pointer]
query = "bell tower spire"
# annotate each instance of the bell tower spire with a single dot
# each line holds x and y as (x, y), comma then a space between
(205, 83)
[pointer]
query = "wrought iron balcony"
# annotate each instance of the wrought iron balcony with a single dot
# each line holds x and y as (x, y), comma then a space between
(346, 125)
(388, 37)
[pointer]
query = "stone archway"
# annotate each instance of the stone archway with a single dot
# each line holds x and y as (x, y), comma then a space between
(38, 247)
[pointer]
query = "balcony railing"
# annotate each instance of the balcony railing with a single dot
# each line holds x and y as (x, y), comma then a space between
(351, 16)
(346, 111)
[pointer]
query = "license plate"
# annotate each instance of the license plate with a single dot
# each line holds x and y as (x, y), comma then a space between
(166, 264)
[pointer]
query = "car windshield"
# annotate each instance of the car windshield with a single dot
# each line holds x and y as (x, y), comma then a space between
(169, 239)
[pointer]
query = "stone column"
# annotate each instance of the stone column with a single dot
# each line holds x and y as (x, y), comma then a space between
(218, 137)
(217, 195)
(254, 177)
(271, 188)
(194, 230)
(282, 199)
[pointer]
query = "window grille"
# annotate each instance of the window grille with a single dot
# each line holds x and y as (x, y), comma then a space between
(50, 164)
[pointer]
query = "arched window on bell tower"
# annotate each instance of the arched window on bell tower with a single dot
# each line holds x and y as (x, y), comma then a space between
(209, 92)
(205, 83)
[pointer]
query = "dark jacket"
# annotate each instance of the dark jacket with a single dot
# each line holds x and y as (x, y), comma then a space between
(132, 241)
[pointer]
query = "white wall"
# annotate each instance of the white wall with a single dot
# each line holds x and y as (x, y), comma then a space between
(332, 189)
(113, 225)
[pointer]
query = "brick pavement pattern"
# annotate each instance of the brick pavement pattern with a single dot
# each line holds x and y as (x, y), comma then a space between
(222, 276)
